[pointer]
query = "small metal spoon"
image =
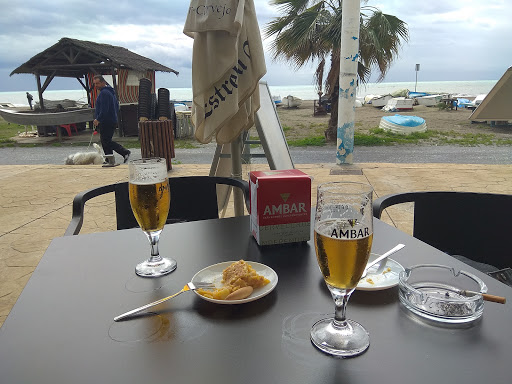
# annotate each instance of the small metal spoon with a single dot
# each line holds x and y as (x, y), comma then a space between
(380, 258)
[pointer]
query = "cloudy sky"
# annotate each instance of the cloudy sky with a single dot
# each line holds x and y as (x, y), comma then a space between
(452, 40)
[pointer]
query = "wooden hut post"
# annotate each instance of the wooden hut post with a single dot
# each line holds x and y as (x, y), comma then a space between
(88, 92)
(41, 102)
(119, 120)
(87, 89)
(39, 91)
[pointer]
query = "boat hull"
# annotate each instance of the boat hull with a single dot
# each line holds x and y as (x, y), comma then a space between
(54, 118)
(291, 102)
(398, 104)
(378, 101)
(429, 101)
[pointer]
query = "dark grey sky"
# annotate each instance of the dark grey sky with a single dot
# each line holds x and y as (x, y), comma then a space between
(455, 40)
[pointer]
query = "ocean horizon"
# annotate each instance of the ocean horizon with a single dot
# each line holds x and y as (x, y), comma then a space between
(305, 92)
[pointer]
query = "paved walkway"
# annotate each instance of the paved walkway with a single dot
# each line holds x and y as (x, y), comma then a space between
(35, 202)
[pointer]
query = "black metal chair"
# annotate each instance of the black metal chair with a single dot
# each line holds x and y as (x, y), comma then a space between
(193, 198)
(472, 227)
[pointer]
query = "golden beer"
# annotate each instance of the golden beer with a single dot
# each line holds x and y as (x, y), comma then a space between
(342, 260)
(150, 204)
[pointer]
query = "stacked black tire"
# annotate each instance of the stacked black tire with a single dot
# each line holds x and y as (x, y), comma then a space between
(155, 123)
(145, 99)
(149, 106)
(164, 105)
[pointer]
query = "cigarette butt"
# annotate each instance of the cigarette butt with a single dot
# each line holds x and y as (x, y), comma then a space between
(487, 297)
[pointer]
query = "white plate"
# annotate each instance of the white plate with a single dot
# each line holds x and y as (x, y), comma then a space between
(382, 280)
(213, 274)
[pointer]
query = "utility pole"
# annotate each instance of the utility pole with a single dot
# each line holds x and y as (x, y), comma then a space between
(417, 70)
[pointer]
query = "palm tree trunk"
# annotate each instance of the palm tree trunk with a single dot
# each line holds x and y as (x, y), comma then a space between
(331, 132)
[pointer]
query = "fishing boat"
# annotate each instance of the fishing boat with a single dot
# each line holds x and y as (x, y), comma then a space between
(472, 105)
(430, 100)
(79, 115)
(61, 104)
(277, 100)
(377, 101)
(403, 125)
(415, 95)
(398, 104)
(291, 101)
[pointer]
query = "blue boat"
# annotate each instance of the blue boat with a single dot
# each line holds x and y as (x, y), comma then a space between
(413, 95)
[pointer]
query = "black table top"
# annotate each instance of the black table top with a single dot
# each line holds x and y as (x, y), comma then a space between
(61, 329)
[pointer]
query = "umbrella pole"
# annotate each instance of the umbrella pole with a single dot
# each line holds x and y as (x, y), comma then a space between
(236, 172)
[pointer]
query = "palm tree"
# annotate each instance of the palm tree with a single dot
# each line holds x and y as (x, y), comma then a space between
(310, 31)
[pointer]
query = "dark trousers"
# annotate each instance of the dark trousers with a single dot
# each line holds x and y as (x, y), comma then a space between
(106, 134)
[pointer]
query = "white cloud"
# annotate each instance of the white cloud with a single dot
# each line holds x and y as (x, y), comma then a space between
(455, 40)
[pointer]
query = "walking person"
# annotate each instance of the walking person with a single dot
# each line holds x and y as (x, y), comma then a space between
(30, 98)
(106, 118)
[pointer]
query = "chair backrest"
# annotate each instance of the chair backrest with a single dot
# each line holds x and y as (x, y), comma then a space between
(193, 198)
(474, 225)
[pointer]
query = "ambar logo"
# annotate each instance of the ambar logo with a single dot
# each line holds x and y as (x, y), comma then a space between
(284, 209)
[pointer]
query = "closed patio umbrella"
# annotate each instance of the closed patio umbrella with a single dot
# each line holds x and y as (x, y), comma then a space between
(227, 64)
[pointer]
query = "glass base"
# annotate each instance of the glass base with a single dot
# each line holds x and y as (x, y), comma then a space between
(155, 269)
(349, 341)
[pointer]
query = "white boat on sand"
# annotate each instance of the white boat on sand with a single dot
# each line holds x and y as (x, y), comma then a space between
(398, 104)
(430, 100)
(377, 101)
(277, 100)
(291, 101)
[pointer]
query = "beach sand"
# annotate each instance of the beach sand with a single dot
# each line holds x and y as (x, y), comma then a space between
(367, 117)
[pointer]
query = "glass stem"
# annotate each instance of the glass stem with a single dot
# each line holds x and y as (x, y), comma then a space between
(340, 311)
(153, 238)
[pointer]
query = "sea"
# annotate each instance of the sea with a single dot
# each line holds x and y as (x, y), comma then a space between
(305, 92)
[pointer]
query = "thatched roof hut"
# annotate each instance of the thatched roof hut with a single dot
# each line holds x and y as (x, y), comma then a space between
(82, 60)
(76, 58)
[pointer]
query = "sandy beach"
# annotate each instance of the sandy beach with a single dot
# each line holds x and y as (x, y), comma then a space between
(368, 117)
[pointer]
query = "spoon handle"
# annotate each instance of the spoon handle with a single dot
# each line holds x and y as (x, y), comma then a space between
(384, 256)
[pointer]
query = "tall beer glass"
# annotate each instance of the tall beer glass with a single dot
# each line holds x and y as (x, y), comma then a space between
(343, 241)
(150, 199)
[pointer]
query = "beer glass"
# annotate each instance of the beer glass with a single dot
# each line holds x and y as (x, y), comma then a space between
(343, 241)
(150, 199)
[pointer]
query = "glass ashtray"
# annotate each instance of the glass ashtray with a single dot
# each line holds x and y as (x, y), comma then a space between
(435, 292)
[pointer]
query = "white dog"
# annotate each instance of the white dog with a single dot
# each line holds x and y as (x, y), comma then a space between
(84, 158)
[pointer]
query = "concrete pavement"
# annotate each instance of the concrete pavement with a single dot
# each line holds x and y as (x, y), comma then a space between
(35, 202)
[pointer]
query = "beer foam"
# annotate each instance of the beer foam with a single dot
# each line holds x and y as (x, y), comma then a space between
(147, 182)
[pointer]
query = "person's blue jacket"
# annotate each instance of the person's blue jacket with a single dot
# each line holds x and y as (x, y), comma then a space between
(106, 106)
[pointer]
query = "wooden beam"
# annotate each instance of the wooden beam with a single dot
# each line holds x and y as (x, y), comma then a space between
(71, 66)
(70, 58)
(48, 80)
(75, 57)
(83, 85)
(66, 55)
(52, 56)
